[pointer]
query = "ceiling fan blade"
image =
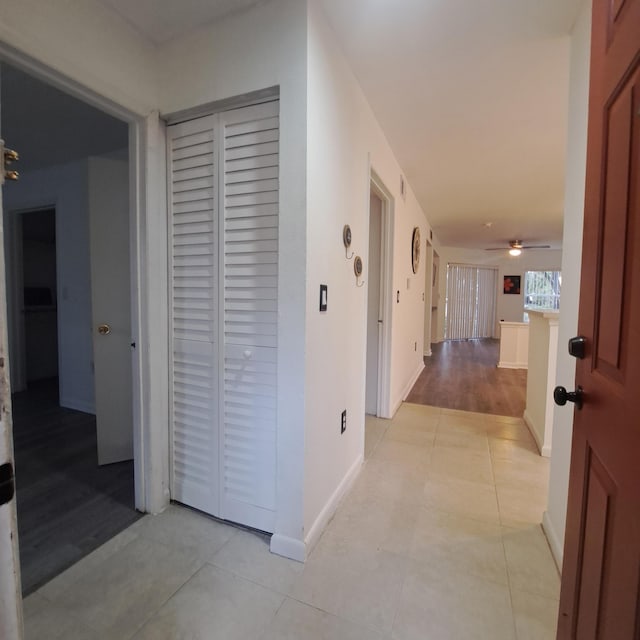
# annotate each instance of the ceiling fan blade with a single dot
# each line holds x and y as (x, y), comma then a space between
(537, 246)
(498, 249)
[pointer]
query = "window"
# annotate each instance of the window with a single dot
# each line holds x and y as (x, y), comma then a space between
(542, 289)
(470, 305)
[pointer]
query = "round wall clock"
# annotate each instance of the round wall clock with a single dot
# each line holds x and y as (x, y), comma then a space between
(415, 249)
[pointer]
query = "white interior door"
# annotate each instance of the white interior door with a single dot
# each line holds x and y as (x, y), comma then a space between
(374, 313)
(249, 161)
(191, 149)
(10, 599)
(224, 272)
(111, 306)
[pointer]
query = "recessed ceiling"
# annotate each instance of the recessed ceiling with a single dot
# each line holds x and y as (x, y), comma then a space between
(473, 98)
(163, 20)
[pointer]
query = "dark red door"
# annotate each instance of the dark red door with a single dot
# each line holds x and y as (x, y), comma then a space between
(601, 574)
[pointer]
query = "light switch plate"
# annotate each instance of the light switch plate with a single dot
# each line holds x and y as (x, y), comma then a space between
(323, 297)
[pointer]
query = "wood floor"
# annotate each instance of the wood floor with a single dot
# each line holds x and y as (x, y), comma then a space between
(463, 375)
(67, 505)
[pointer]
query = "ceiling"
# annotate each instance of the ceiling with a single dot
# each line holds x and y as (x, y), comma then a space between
(48, 127)
(163, 20)
(472, 96)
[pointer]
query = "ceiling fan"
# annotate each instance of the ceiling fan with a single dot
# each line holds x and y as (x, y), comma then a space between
(516, 247)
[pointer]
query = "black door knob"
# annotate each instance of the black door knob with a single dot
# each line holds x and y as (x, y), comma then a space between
(561, 396)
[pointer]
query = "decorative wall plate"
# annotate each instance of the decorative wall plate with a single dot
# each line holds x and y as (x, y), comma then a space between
(346, 236)
(358, 266)
(415, 249)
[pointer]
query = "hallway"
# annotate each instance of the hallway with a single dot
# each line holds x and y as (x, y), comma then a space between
(462, 374)
(439, 538)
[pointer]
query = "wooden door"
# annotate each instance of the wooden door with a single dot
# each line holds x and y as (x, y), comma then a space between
(601, 574)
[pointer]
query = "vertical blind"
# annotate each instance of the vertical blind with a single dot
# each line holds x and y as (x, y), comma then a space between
(470, 308)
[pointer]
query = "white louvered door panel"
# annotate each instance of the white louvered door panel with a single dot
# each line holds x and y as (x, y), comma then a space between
(193, 153)
(249, 158)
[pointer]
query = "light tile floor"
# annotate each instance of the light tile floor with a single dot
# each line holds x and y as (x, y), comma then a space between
(438, 540)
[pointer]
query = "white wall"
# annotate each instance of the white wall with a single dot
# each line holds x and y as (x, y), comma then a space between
(253, 50)
(555, 516)
(65, 188)
(509, 307)
(342, 135)
(87, 43)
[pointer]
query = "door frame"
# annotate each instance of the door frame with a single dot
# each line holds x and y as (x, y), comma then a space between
(147, 233)
(377, 186)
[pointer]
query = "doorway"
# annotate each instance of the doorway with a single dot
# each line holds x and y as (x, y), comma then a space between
(37, 280)
(374, 310)
(67, 222)
(378, 311)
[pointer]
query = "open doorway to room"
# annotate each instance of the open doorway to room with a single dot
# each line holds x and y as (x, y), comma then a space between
(69, 323)
(36, 277)
(378, 292)
(374, 304)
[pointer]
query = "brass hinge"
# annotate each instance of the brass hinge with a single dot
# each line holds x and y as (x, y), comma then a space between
(7, 158)
(7, 483)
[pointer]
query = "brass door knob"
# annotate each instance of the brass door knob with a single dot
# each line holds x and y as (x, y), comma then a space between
(104, 329)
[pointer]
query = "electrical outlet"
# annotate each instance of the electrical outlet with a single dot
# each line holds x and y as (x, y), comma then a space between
(343, 421)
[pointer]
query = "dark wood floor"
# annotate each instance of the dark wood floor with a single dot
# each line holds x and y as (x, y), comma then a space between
(463, 375)
(67, 505)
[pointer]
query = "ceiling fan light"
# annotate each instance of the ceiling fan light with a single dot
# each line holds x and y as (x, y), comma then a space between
(515, 252)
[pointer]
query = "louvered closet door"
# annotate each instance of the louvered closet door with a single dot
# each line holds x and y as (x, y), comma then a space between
(249, 156)
(224, 229)
(192, 152)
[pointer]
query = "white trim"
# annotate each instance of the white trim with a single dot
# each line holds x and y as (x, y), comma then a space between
(384, 352)
(512, 365)
(270, 94)
(288, 547)
(329, 509)
(545, 450)
(427, 354)
(407, 390)
(396, 406)
(555, 544)
(153, 319)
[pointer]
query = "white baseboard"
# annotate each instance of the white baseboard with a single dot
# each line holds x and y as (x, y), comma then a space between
(78, 405)
(288, 547)
(407, 390)
(512, 365)
(427, 354)
(555, 544)
(329, 509)
(545, 450)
